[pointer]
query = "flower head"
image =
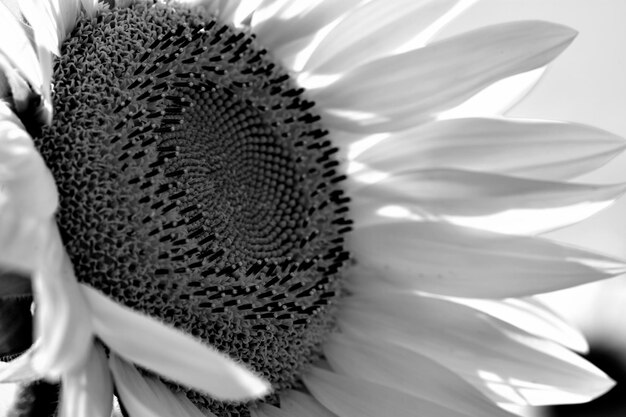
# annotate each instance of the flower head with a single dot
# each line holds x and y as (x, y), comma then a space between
(181, 188)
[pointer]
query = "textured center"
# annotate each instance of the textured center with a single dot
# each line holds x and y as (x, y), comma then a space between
(198, 186)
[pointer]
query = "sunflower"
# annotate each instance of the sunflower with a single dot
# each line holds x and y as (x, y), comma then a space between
(265, 208)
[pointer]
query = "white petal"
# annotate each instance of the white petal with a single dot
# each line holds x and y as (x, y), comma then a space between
(532, 316)
(52, 20)
(89, 6)
(533, 149)
(297, 19)
(45, 111)
(292, 54)
(485, 200)
(399, 91)
(20, 368)
(13, 6)
(242, 14)
(45, 26)
(26, 184)
(14, 88)
(297, 403)
(507, 364)
(406, 371)
(373, 30)
(353, 397)
(458, 261)
(62, 319)
(66, 13)
(427, 35)
(88, 390)
(499, 97)
(149, 397)
(16, 48)
(231, 12)
(22, 240)
(170, 352)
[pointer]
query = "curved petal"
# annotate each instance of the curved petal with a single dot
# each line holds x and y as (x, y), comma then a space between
(170, 352)
(297, 19)
(88, 390)
(532, 316)
(407, 371)
(373, 30)
(14, 88)
(486, 201)
(62, 320)
(232, 12)
(148, 397)
(26, 184)
(16, 48)
(505, 363)
(458, 261)
(353, 397)
(89, 6)
(499, 97)
(20, 369)
(22, 240)
(400, 91)
(51, 20)
(297, 403)
(544, 150)
(242, 13)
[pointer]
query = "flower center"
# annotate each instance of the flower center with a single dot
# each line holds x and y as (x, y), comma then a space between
(197, 185)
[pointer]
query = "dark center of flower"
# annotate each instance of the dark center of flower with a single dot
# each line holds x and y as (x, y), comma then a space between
(197, 185)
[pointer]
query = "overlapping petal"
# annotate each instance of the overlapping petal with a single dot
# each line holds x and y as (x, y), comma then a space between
(354, 397)
(88, 390)
(532, 316)
(89, 6)
(22, 241)
(400, 91)
(466, 196)
(406, 371)
(465, 262)
(498, 98)
(148, 397)
(20, 369)
(62, 319)
(303, 405)
(16, 49)
(233, 12)
(297, 19)
(507, 364)
(195, 364)
(373, 30)
(52, 20)
(28, 196)
(544, 150)
(26, 184)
